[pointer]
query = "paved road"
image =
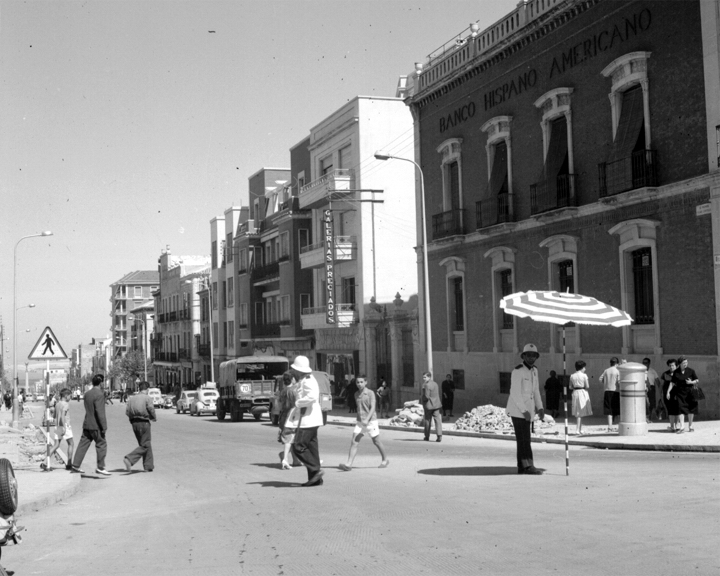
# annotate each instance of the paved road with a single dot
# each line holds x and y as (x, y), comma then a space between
(218, 503)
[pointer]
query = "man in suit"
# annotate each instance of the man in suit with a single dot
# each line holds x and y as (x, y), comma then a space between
(431, 406)
(524, 400)
(141, 412)
(94, 428)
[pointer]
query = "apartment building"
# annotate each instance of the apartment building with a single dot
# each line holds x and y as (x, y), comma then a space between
(573, 145)
(128, 292)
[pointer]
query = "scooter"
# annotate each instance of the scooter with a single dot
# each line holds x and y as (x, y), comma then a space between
(9, 530)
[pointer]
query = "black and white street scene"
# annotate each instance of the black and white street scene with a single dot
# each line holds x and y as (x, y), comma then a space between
(360, 287)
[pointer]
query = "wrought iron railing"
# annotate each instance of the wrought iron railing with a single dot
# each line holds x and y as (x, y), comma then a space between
(450, 223)
(267, 271)
(552, 194)
(636, 171)
(494, 211)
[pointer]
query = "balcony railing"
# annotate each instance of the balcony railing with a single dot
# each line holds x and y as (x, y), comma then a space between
(268, 329)
(345, 247)
(450, 223)
(317, 192)
(311, 247)
(494, 211)
(204, 349)
(166, 356)
(184, 353)
(266, 272)
(552, 194)
(636, 171)
(172, 316)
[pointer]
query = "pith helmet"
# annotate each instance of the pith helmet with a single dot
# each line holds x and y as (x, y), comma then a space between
(530, 348)
(301, 364)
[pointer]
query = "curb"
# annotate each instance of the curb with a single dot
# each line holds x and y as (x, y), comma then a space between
(50, 499)
(573, 442)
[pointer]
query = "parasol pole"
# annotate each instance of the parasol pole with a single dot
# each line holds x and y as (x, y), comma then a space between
(567, 450)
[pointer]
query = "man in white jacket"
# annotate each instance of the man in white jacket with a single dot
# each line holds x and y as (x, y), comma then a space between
(307, 418)
(524, 400)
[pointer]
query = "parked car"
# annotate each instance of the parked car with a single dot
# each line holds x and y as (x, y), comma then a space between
(156, 396)
(168, 401)
(206, 402)
(187, 397)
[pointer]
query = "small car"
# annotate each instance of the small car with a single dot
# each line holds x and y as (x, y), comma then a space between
(206, 402)
(168, 401)
(186, 400)
(156, 396)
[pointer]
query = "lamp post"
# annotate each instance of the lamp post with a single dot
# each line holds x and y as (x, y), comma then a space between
(428, 335)
(16, 415)
(133, 318)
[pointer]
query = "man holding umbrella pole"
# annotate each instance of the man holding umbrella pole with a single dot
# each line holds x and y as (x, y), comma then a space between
(523, 402)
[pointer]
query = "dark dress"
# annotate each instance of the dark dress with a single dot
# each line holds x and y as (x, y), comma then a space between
(448, 399)
(686, 403)
(351, 389)
(553, 393)
(671, 404)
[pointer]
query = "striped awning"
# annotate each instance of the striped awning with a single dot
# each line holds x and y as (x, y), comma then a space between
(561, 308)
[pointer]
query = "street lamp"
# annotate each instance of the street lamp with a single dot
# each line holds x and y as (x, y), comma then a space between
(428, 335)
(133, 318)
(16, 415)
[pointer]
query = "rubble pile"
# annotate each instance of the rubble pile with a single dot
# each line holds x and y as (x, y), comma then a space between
(411, 414)
(491, 418)
(31, 445)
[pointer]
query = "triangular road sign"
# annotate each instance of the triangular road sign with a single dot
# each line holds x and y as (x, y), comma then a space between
(47, 347)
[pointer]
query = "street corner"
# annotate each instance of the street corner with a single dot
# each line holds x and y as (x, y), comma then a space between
(38, 489)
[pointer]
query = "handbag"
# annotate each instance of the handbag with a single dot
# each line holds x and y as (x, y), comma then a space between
(697, 392)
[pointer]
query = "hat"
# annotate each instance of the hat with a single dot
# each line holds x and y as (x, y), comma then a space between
(530, 348)
(301, 364)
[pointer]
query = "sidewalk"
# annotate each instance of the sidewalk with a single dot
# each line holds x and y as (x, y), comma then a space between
(705, 438)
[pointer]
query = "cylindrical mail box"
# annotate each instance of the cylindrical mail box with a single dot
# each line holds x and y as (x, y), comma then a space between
(633, 418)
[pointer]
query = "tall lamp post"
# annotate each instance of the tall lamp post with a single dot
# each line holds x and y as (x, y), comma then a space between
(428, 334)
(16, 414)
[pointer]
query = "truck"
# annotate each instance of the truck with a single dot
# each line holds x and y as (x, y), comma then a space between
(246, 385)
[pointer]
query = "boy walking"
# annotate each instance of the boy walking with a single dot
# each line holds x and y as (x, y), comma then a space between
(63, 431)
(366, 421)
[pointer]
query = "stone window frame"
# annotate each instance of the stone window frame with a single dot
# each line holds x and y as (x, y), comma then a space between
(502, 258)
(455, 268)
(634, 234)
(562, 247)
(553, 105)
(625, 72)
(451, 151)
(498, 130)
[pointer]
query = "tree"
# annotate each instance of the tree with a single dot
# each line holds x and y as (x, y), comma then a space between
(128, 368)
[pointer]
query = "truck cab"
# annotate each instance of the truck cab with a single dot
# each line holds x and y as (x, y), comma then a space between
(246, 385)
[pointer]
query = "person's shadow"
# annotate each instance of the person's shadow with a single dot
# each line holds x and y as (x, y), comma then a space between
(276, 484)
(471, 471)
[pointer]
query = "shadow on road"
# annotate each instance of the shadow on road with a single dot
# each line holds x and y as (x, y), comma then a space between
(471, 471)
(276, 484)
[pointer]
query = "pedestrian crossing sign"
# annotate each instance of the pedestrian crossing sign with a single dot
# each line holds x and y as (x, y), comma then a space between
(47, 347)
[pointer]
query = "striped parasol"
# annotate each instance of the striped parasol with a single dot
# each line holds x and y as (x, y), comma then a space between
(563, 308)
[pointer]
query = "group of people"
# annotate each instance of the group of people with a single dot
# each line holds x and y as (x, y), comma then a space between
(139, 410)
(674, 394)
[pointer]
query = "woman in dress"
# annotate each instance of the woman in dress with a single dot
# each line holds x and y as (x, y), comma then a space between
(683, 380)
(580, 385)
(668, 395)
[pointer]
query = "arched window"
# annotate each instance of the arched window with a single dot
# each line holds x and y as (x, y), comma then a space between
(503, 284)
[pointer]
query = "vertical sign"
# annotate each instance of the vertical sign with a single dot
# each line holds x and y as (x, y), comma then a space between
(330, 317)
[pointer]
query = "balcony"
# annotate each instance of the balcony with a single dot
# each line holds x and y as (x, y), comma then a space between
(313, 255)
(345, 248)
(247, 228)
(172, 316)
(266, 273)
(551, 195)
(315, 318)
(267, 329)
(184, 353)
(494, 211)
(317, 193)
(637, 171)
(446, 224)
(166, 356)
(204, 350)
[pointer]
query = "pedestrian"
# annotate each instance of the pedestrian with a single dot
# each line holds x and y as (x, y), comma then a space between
(383, 393)
(683, 381)
(580, 385)
(653, 390)
(448, 395)
(286, 402)
(430, 400)
(553, 393)
(610, 379)
(63, 430)
(108, 397)
(306, 418)
(365, 422)
(8, 400)
(141, 412)
(94, 428)
(351, 389)
(668, 395)
(522, 404)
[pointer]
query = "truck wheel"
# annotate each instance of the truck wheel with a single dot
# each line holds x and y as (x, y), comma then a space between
(220, 414)
(8, 488)
(257, 416)
(235, 414)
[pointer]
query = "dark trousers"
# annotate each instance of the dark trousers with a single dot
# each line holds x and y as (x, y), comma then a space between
(141, 429)
(87, 438)
(428, 417)
(522, 437)
(306, 450)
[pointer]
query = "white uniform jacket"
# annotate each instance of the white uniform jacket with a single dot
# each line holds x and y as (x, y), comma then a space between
(524, 392)
(308, 398)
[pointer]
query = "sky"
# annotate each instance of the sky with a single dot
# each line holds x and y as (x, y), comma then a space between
(126, 126)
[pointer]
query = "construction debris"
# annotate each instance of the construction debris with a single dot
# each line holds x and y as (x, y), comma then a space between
(411, 414)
